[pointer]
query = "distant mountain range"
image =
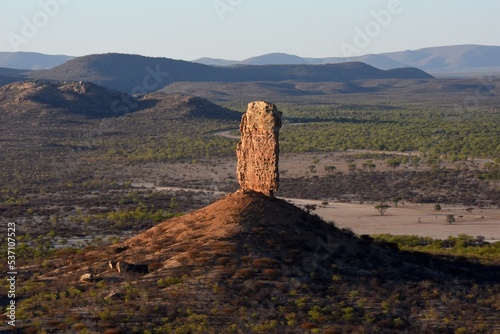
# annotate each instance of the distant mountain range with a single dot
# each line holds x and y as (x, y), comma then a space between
(459, 60)
(31, 60)
(444, 61)
(136, 74)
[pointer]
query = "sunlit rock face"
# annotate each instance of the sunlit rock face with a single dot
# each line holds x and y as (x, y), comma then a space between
(258, 149)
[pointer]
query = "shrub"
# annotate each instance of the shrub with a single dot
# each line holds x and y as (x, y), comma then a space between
(169, 281)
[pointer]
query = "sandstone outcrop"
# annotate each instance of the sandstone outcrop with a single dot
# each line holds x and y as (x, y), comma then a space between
(258, 149)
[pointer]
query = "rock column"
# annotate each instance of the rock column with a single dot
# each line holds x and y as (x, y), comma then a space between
(258, 149)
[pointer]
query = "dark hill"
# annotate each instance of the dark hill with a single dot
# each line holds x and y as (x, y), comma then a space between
(12, 72)
(136, 74)
(248, 263)
(127, 73)
(319, 73)
(9, 75)
(180, 106)
(407, 73)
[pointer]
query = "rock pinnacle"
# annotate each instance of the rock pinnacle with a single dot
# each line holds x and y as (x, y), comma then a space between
(258, 149)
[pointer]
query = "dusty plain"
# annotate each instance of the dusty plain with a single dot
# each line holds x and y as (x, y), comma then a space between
(218, 178)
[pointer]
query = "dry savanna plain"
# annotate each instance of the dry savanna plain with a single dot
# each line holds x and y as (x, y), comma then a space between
(395, 182)
(407, 218)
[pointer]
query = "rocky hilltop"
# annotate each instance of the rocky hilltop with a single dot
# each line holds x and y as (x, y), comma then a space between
(41, 98)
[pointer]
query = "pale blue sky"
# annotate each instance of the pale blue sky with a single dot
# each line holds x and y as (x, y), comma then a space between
(238, 29)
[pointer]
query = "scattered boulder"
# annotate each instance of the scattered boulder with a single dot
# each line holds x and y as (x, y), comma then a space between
(258, 149)
(86, 278)
(113, 295)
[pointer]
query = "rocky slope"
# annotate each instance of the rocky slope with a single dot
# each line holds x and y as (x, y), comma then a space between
(40, 98)
(249, 263)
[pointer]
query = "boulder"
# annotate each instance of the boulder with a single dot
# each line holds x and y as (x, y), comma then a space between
(113, 295)
(86, 278)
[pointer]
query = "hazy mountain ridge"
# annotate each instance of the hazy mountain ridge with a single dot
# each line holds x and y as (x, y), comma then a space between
(136, 74)
(443, 60)
(455, 60)
(31, 60)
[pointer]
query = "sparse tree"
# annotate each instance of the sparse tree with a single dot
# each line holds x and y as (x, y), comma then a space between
(450, 219)
(382, 208)
(437, 207)
(369, 165)
(310, 207)
(352, 167)
(415, 161)
(330, 169)
(396, 200)
(394, 163)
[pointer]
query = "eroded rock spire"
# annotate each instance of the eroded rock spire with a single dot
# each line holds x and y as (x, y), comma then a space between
(258, 149)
